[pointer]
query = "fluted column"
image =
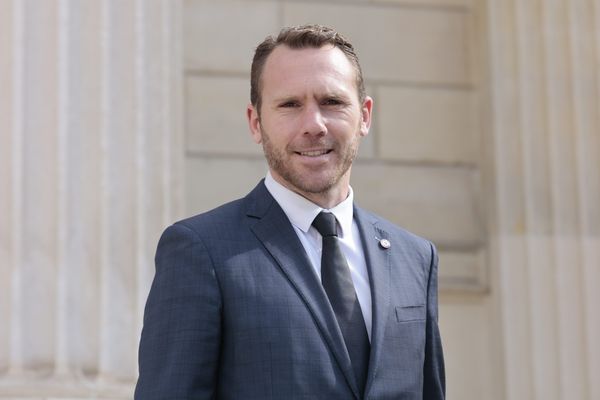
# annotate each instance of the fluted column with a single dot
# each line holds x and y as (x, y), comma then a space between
(90, 173)
(545, 82)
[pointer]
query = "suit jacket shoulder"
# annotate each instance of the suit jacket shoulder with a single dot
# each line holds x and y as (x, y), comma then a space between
(227, 219)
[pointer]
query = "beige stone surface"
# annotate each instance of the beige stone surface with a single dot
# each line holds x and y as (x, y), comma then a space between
(8, 206)
(427, 124)
(411, 44)
(545, 130)
(222, 35)
(463, 270)
(215, 112)
(428, 3)
(95, 146)
(439, 203)
(213, 181)
(469, 347)
(38, 177)
(333, 1)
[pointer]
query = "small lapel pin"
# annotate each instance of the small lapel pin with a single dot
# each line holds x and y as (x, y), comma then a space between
(385, 243)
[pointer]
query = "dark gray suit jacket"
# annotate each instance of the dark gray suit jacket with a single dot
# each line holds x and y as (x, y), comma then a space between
(236, 312)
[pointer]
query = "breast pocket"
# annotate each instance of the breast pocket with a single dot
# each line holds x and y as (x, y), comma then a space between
(410, 313)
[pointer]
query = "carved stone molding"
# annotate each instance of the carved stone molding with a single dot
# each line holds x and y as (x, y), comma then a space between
(545, 58)
(90, 173)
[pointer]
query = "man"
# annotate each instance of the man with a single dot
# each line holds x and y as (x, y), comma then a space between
(293, 292)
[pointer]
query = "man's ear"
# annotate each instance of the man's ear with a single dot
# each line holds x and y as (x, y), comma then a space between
(366, 110)
(254, 123)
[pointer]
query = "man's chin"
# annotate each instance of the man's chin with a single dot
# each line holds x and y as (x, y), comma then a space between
(306, 181)
(314, 186)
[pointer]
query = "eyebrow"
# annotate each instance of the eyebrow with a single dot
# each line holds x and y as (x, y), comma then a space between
(284, 99)
(332, 95)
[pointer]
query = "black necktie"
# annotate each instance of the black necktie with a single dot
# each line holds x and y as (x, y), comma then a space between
(337, 282)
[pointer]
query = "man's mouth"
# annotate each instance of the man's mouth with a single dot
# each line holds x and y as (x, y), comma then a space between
(313, 153)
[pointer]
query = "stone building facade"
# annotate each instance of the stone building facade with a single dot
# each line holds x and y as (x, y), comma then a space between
(119, 117)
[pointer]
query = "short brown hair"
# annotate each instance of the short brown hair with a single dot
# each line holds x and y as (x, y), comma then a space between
(299, 37)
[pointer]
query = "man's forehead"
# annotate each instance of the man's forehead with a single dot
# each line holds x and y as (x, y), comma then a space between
(284, 62)
(285, 55)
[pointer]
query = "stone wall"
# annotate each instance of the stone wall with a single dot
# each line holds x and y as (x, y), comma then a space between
(90, 153)
(545, 246)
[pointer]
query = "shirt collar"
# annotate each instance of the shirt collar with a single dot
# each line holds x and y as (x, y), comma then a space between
(301, 212)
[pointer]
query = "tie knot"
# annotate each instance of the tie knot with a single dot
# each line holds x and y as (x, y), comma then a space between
(325, 223)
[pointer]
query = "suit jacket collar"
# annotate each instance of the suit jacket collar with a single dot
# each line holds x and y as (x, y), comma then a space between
(275, 232)
(379, 266)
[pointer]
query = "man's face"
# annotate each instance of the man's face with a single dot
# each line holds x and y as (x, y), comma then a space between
(311, 120)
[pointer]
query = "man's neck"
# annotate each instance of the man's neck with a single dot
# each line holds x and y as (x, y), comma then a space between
(327, 199)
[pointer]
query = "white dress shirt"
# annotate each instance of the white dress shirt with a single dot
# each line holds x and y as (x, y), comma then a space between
(301, 212)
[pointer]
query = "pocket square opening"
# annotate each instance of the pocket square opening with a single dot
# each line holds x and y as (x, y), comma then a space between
(410, 313)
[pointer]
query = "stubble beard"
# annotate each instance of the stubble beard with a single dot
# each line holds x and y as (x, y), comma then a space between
(277, 162)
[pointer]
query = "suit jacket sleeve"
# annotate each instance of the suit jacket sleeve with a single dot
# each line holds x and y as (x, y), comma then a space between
(179, 346)
(434, 385)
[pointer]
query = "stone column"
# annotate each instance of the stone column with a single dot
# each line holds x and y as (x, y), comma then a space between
(90, 173)
(545, 82)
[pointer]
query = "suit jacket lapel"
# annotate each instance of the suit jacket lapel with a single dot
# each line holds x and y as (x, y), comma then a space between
(276, 233)
(379, 267)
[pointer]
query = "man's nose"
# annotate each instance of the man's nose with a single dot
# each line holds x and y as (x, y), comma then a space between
(313, 120)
